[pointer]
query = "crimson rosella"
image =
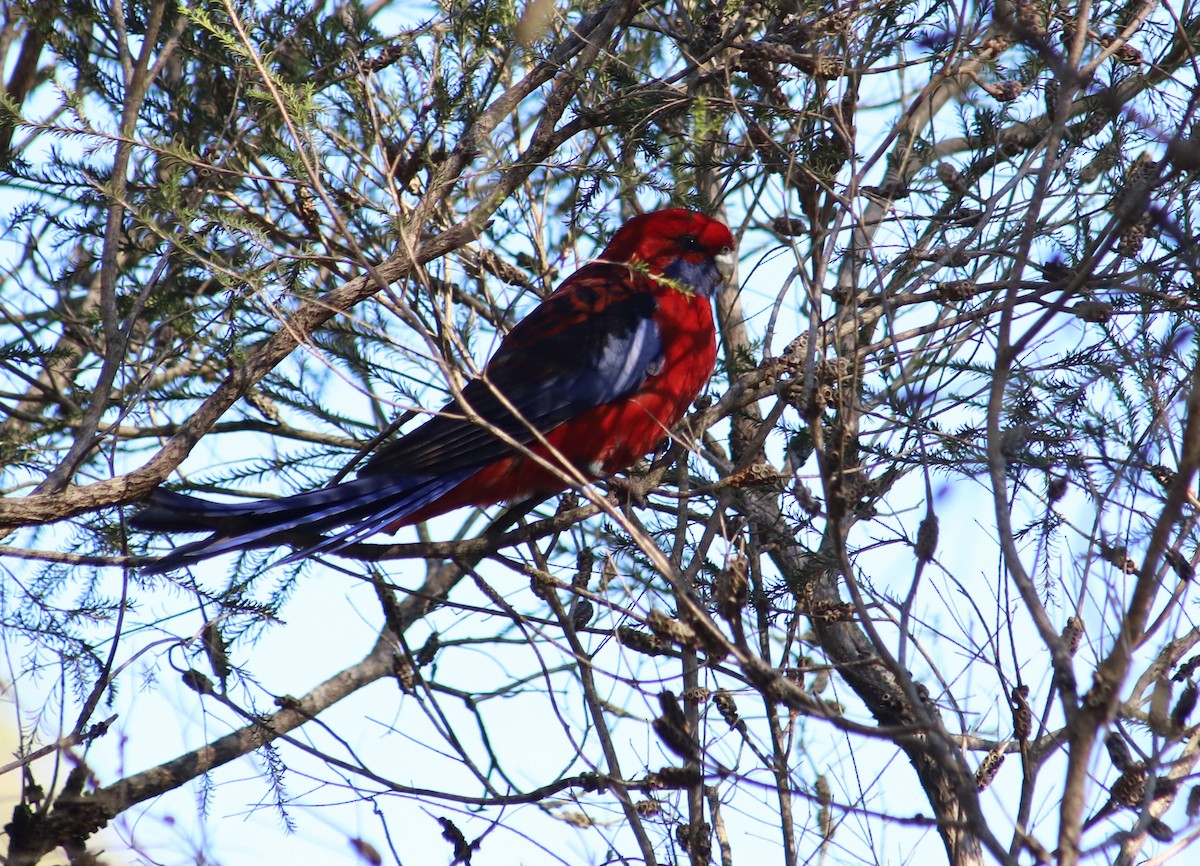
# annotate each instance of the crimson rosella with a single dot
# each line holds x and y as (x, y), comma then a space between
(590, 381)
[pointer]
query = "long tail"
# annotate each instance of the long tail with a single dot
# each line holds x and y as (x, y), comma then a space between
(363, 506)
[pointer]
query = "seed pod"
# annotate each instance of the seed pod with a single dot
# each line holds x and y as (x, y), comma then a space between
(732, 588)
(542, 583)
(820, 682)
(1050, 96)
(987, 770)
(769, 52)
(584, 561)
(788, 227)
(1118, 556)
(462, 849)
(796, 674)
(805, 498)
(671, 630)
(951, 177)
(215, 650)
(1072, 634)
(1140, 171)
(726, 707)
(673, 729)
(386, 58)
(1132, 238)
(639, 641)
(1096, 312)
(1130, 788)
(824, 794)
(927, 538)
(695, 841)
(197, 682)
(1056, 270)
(1186, 669)
(671, 710)
(922, 691)
(753, 476)
(1007, 91)
(1183, 569)
(1126, 54)
(678, 777)
(956, 290)
(833, 24)
(426, 654)
(583, 614)
(1001, 91)
(825, 813)
(367, 852)
(1014, 439)
(1164, 476)
(1101, 162)
(967, 218)
(676, 739)
(825, 68)
(1158, 715)
(406, 675)
(1184, 706)
(1118, 752)
(1159, 830)
(1022, 714)
(1032, 19)
(607, 574)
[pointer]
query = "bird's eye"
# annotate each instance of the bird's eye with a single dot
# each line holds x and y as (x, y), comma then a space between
(689, 243)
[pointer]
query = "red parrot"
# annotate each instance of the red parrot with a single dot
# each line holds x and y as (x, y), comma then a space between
(594, 377)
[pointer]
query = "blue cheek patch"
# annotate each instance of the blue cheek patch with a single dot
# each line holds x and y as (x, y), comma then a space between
(701, 277)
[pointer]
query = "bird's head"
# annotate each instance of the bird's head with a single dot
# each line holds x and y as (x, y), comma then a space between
(693, 252)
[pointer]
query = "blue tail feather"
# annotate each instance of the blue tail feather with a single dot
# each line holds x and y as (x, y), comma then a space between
(365, 506)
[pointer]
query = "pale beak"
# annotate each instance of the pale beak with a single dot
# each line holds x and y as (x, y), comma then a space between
(726, 263)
